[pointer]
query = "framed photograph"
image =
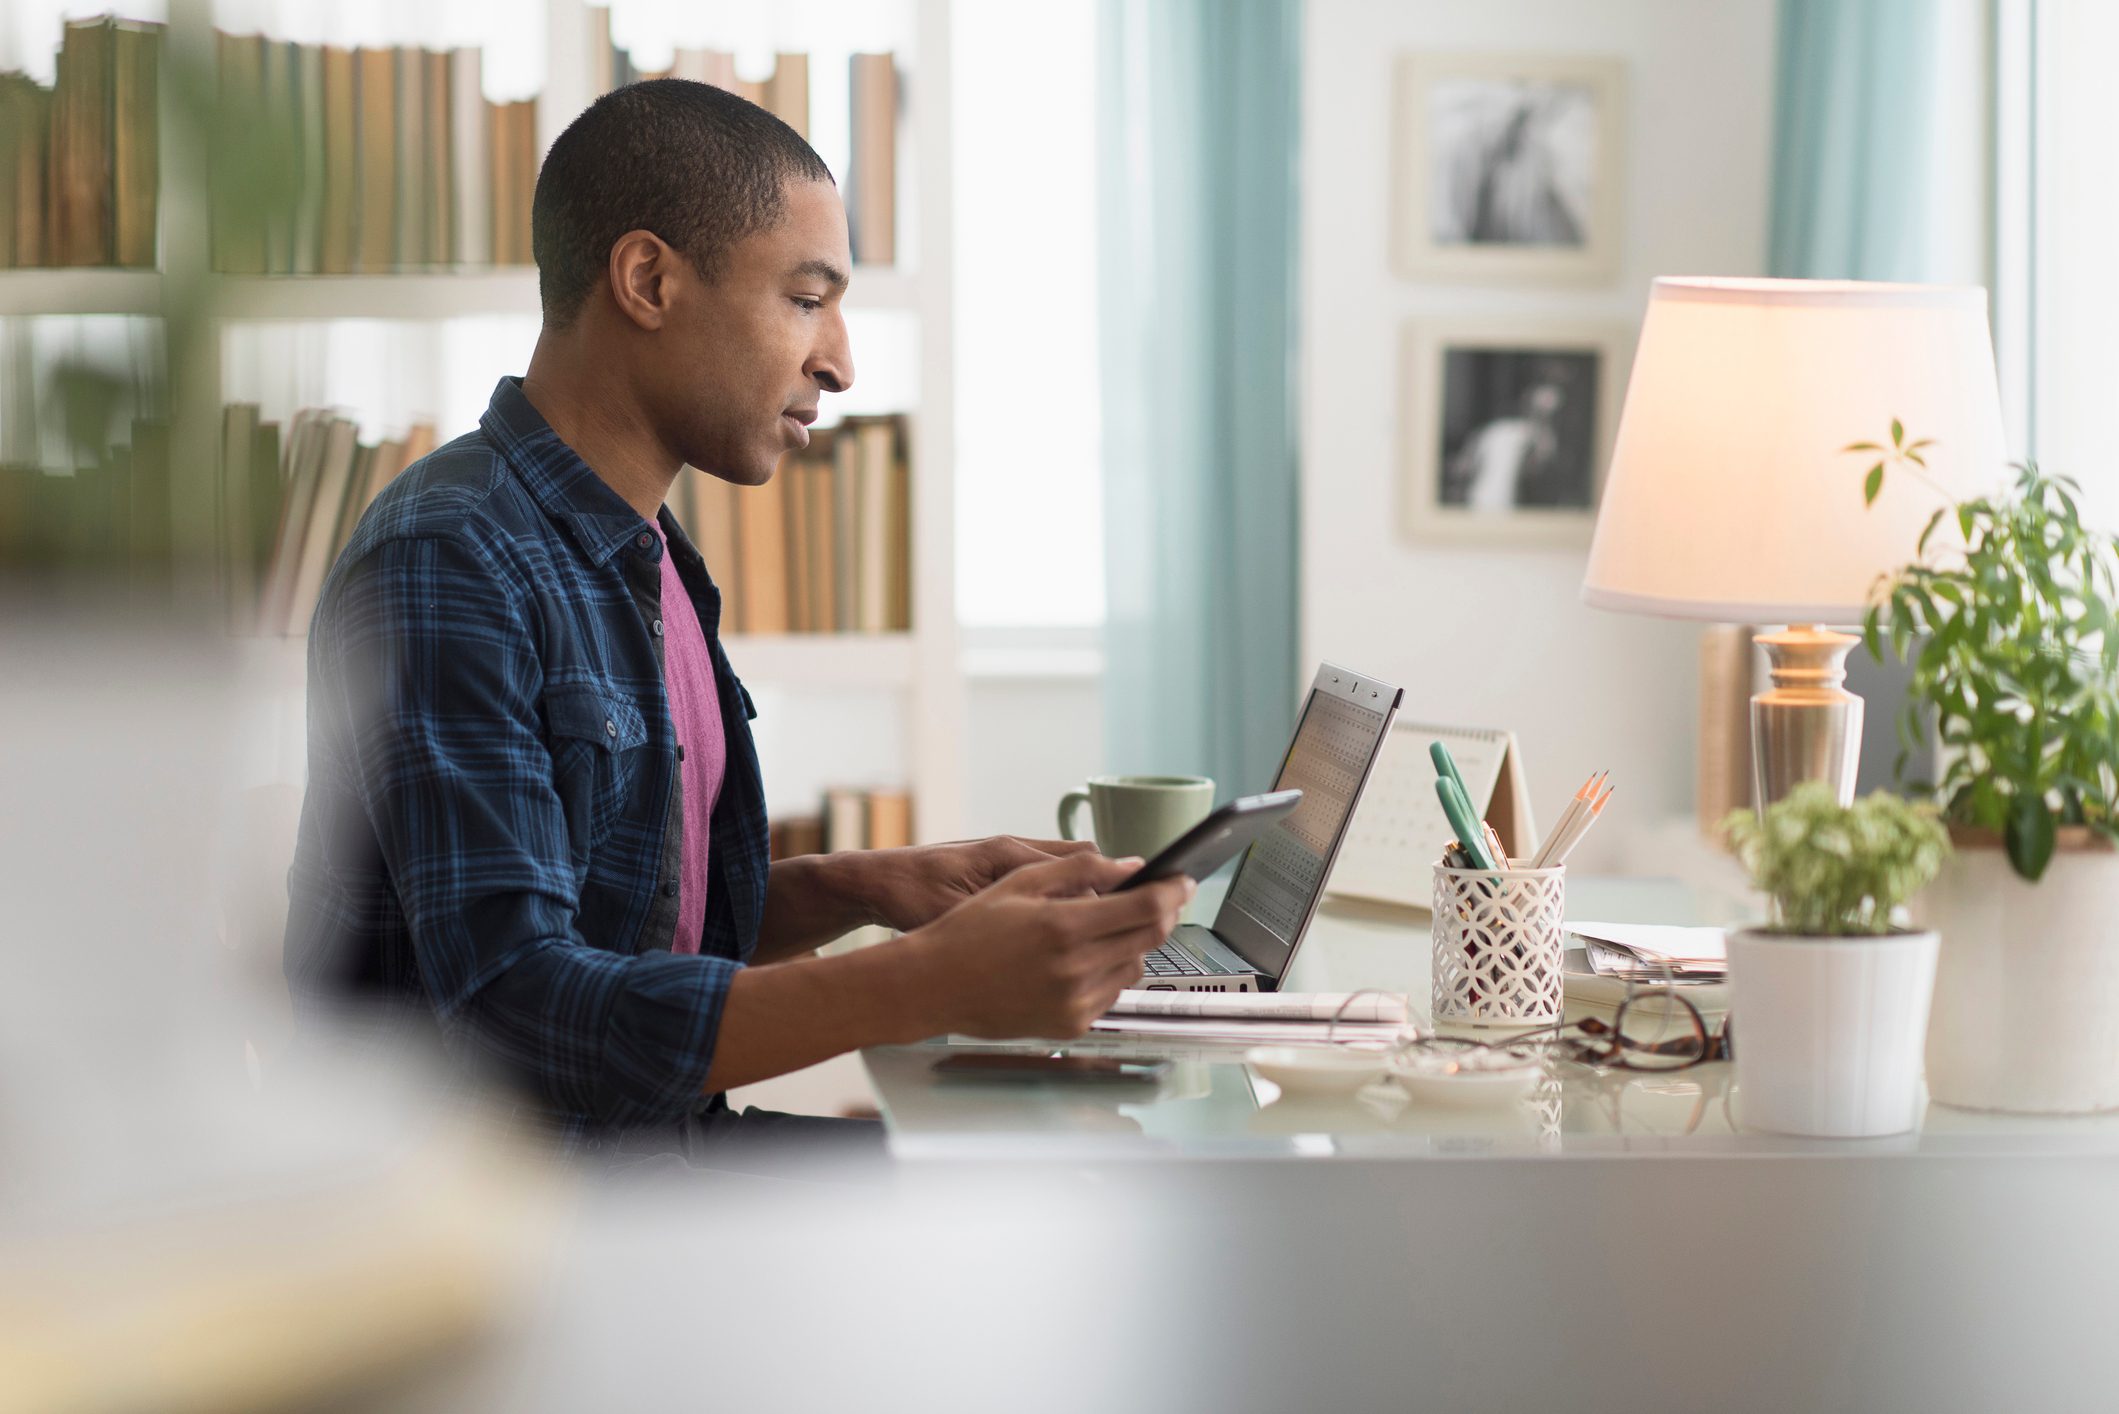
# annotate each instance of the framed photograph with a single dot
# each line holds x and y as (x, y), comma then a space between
(1510, 168)
(1508, 428)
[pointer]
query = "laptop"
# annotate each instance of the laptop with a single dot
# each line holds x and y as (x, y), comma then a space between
(1338, 738)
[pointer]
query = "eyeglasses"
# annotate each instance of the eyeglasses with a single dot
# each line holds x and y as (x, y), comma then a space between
(1650, 1031)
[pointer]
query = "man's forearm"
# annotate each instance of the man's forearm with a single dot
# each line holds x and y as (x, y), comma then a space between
(1042, 953)
(782, 1017)
(809, 900)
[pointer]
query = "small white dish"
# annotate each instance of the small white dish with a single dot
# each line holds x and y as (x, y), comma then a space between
(1317, 1070)
(1467, 1079)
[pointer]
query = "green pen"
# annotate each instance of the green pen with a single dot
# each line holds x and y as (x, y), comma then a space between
(1446, 765)
(1461, 819)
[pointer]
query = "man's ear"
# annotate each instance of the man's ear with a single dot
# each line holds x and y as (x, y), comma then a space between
(641, 265)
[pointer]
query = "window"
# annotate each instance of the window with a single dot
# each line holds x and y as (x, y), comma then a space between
(2057, 286)
(1028, 454)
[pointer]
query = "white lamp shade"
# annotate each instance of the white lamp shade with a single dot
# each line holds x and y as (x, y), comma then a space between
(1729, 496)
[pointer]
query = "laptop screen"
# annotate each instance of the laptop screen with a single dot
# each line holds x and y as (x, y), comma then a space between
(1276, 887)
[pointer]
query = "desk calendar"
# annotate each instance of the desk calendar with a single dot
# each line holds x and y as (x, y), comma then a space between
(1399, 829)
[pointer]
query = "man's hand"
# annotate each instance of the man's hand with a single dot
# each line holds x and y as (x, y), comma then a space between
(1047, 950)
(910, 888)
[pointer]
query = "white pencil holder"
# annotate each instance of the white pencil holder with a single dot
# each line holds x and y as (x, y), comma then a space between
(1498, 946)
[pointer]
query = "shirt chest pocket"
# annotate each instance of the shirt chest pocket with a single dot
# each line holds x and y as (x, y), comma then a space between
(597, 739)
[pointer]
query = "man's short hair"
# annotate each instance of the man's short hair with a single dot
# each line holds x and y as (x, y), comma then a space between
(695, 164)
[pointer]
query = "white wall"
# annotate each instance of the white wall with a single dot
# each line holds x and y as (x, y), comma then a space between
(1030, 739)
(2077, 282)
(1029, 428)
(1583, 690)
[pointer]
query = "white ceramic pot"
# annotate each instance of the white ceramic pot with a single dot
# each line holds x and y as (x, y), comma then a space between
(1829, 1031)
(2027, 990)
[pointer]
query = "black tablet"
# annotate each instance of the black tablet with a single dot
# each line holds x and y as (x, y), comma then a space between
(1217, 839)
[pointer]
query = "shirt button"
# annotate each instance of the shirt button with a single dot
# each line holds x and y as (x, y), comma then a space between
(658, 628)
(669, 890)
(644, 541)
(680, 751)
(610, 729)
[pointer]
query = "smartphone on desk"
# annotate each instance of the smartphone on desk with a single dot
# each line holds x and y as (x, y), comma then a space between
(1217, 839)
(991, 1065)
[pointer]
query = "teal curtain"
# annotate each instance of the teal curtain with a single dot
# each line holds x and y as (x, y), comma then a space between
(1197, 139)
(1856, 89)
(1856, 196)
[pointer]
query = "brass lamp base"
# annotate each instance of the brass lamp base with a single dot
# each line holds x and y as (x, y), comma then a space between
(1807, 726)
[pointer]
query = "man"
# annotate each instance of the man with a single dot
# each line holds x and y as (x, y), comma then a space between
(534, 809)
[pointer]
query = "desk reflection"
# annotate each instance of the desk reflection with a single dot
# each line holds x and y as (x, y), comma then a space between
(1211, 1094)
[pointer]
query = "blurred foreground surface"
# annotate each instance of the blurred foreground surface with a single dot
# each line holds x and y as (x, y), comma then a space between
(196, 1212)
(200, 1211)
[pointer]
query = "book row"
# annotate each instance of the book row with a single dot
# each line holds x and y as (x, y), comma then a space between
(847, 819)
(379, 160)
(869, 185)
(287, 505)
(331, 160)
(825, 546)
(370, 160)
(79, 160)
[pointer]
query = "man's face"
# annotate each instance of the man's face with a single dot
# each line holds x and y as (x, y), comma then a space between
(737, 385)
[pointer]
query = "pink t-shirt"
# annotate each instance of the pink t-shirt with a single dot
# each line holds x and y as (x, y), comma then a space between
(702, 748)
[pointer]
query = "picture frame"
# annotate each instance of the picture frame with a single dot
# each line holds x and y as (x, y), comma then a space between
(1508, 428)
(1510, 168)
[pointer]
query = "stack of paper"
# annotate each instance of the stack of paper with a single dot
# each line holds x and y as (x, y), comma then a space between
(1257, 1016)
(1644, 952)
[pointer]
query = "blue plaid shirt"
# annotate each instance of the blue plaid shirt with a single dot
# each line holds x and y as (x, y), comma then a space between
(493, 823)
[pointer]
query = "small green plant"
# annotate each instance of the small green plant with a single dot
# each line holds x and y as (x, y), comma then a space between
(2013, 640)
(1836, 870)
(1900, 453)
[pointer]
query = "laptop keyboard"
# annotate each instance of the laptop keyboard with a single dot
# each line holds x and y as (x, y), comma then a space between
(1167, 961)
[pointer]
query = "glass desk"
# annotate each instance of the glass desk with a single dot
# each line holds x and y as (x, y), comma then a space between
(1212, 1104)
(1611, 1243)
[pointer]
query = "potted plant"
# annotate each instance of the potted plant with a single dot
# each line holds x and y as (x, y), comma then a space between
(1831, 1001)
(2010, 621)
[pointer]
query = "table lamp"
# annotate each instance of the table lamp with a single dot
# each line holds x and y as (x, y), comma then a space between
(1730, 497)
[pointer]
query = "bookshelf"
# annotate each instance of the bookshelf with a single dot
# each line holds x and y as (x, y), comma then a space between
(921, 668)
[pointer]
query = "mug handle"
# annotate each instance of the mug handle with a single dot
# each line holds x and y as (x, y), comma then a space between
(1070, 806)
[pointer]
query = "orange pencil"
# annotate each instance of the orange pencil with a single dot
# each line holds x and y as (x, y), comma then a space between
(1583, 823)
(1582, 801)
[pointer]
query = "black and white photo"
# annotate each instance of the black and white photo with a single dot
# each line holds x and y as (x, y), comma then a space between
(1508, 427)
(1511, 162)
(1509, 167)
(1518, 428)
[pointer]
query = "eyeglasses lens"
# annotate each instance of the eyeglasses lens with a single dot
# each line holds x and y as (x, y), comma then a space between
(1659, 1031)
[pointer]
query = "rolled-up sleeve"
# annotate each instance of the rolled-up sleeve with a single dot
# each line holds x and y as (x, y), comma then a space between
(431, 657)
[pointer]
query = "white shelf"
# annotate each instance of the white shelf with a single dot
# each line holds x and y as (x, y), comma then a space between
(822, 659)
(80, 291)
(421, 294)
(1033, 663)
(425, 294)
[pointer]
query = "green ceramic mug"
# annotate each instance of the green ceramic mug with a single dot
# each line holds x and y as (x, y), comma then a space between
(1137, 814)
